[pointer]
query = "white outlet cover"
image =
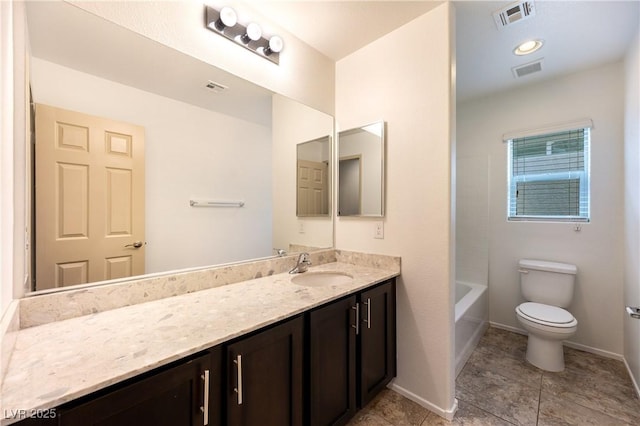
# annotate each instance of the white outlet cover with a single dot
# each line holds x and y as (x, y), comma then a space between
(378, 230)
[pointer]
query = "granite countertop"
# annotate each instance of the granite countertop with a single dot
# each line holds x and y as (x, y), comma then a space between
(55, 363)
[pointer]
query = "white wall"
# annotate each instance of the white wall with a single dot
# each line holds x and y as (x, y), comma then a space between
(190, 153)
(632, 207)
(597, 249)
(13, 128)
(6, 154)
(472, 214)
(404, 78)
(294, 123)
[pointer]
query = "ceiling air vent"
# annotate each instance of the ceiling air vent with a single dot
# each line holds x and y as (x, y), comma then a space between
(526, 69)
(216, 87)
(513, 13)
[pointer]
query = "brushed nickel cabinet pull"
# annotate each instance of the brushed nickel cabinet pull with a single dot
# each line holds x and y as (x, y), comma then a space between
(205, 407)
(357, 326)
(238, 389)
(368, 320)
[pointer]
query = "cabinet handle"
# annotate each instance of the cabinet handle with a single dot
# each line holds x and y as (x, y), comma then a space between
(205, 407)
(357, 326)
(368, 320)
(238, 389)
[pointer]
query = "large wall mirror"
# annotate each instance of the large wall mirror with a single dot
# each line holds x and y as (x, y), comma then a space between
(361, 179)
(209, 138)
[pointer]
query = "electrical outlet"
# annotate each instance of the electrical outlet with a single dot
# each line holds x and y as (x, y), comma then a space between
(378, 231)
(301, 227)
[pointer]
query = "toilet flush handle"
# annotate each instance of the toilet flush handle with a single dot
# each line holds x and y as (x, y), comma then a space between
(523, 271)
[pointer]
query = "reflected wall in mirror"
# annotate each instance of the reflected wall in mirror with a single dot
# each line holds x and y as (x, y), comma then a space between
(313, 177)
(199, 144)
(361, 171)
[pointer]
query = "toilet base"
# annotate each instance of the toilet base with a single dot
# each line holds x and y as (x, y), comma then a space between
(545, 354)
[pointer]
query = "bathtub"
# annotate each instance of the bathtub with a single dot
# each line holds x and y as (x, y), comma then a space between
(471, 315)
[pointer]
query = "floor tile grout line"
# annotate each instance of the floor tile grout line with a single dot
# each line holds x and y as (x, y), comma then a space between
(488, 412)
(539, 399)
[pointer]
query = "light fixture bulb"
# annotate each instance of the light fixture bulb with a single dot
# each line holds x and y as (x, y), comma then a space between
(253, 33)
(275, 45)
(228, 18)
(528, 47)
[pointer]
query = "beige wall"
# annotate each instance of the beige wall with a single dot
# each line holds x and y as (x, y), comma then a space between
(13, 155)
(404, 79)
(596, 250)
(632, 208)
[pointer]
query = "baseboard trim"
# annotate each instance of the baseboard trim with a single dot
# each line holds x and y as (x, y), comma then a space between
(579, 346)
(447, 414)
(633, 379)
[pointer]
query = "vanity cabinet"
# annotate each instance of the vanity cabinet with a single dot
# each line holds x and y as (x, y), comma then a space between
(377, 340)
(316, 369)
(184, 394)
(332, 360)
(265, 377)
(352, 347)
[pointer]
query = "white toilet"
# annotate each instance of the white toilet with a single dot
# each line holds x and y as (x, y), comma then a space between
(547, 287)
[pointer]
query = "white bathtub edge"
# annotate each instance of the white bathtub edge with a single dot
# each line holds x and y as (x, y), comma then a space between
(462, 359)
(463, 305)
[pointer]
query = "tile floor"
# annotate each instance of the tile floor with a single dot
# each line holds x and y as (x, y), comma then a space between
(498, 387)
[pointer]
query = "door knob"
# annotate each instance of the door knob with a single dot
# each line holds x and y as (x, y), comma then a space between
(136, 244)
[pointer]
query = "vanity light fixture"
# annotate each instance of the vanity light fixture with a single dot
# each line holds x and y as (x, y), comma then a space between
(228, 18)
(225, 23)
(254, 32)
(275, 46)
(527, 47)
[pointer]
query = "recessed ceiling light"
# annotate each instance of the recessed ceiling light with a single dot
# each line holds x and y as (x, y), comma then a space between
(528, 47)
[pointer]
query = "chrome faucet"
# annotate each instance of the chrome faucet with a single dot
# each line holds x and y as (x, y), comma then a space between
(302, 264)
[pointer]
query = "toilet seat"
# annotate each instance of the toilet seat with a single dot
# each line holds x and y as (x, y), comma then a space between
(547, 315)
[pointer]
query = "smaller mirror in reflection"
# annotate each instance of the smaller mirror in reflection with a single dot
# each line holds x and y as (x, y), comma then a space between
(313, 183)
(361, 171)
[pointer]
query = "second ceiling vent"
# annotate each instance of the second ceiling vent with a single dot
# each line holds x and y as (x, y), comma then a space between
(513, 13)
(526, 69)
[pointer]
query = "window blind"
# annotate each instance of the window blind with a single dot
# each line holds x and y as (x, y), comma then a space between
(549, 176)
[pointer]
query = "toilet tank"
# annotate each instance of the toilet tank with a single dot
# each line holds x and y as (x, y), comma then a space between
(547, 282)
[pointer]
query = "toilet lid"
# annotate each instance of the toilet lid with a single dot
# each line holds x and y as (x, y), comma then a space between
(546, 313)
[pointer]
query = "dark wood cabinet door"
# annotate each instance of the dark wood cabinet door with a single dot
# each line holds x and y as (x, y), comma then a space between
(265, 377)
(172, 397)
(332, 372)
(377, 340)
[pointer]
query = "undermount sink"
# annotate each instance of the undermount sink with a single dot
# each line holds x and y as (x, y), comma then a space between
(321, 278)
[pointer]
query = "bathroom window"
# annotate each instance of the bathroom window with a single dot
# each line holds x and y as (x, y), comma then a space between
(549, 176)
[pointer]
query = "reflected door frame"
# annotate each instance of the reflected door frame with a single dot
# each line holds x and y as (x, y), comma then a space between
(348, 191)
(89, 198)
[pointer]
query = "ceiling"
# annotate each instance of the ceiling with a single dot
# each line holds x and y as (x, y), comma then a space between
(87, 43)
(339, 28)
(577, 34)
